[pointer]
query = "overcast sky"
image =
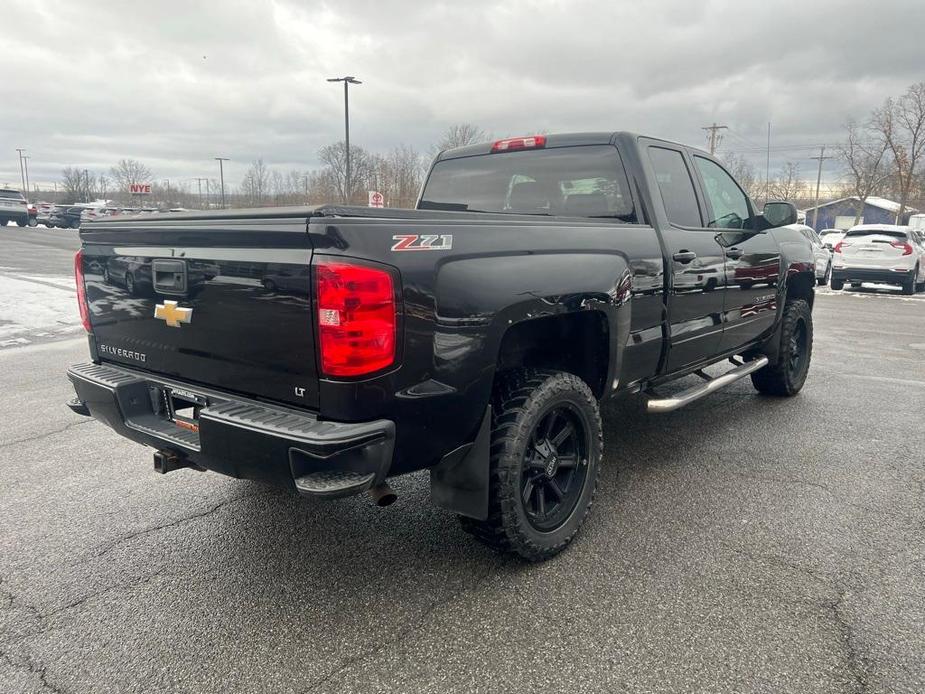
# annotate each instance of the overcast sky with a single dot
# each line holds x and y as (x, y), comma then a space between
(176, 83)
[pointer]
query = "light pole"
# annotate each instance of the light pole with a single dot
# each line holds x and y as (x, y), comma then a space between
(347, 82)
(25, 161)
(221, 174)
(167, 181)
(21, 174)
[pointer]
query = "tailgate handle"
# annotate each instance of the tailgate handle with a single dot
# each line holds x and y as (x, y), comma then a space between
(169, 276)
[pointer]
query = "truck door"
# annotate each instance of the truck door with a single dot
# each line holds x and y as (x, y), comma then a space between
(752, 259)
(695, 260)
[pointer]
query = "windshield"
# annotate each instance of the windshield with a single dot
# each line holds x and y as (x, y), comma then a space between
(11, 194)
(854, 233)
(585, 181)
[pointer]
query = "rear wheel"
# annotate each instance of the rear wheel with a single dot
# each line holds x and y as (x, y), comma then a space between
(546, 446)
(838, 285)
(909, 286)
(787, 376)
(130, 283)
(825, 278)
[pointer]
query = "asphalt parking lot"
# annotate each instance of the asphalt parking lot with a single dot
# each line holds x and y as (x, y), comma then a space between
(744, 544)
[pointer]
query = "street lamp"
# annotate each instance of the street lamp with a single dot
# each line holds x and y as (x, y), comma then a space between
(25, 161)
(347, 82)
(21, 174)
(221, 173)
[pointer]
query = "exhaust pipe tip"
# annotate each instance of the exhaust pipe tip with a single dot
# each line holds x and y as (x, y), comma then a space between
(383, 495)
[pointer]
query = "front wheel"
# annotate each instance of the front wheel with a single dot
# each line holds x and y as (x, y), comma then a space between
(787, 376)
(826, 277)
(546, 447)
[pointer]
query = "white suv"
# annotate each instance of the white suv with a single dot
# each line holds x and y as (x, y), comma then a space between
(880, 253)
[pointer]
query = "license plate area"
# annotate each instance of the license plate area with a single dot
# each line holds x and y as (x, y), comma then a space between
(181, 407)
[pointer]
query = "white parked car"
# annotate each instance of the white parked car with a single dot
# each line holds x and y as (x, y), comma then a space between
(821, 254)
(883, 253)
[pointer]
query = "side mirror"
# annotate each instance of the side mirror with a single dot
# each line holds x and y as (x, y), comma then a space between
(779, 214)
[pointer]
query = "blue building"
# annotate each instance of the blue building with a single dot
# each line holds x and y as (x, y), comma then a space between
(841, 213)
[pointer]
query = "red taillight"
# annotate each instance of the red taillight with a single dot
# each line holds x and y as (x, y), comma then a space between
(906, 247)
(356, 318)
(81, 290)
(838, 246)
(513, 143)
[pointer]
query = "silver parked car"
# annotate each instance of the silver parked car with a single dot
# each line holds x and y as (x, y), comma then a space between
(13, 207)
(830, 237)
(883, 253)
(821, 254)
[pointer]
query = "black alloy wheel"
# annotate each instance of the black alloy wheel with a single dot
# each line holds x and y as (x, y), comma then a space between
(554, 468)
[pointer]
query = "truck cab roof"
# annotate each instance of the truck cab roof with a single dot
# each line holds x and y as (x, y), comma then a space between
(559, 140)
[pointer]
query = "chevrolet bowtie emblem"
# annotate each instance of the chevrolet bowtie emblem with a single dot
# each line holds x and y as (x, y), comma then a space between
(173, 314)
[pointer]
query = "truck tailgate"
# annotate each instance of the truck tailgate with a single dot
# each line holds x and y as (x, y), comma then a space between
(225, 304)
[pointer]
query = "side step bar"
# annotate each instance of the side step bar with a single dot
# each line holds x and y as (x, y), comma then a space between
(688, 396)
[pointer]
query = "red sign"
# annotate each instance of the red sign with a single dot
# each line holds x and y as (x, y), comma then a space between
(139, 188)
(376, 199)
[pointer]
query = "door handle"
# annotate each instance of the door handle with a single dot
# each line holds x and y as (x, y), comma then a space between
(734, 253)
(684, 256)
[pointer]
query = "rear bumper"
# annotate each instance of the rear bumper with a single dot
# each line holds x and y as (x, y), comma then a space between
(239, 437)
(882, 275)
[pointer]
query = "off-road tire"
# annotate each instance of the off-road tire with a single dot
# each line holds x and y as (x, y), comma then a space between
(520, 401)
(787, 376)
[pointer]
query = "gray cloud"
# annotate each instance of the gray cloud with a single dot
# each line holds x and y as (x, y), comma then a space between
(176, 83)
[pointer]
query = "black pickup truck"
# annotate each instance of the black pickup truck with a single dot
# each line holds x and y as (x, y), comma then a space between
(326, 349)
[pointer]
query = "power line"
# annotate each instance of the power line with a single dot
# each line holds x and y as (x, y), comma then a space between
(714, 139)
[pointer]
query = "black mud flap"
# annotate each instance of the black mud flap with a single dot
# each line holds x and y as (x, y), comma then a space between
(459, 482)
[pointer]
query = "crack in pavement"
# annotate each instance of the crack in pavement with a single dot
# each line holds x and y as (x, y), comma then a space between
(38, 437)
(855, 664)
(112, 544)
(412, 625)
(31, 667)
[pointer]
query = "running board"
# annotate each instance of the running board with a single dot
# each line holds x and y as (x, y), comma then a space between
(688, 396)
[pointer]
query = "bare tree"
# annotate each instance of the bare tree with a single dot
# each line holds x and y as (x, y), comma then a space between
(127, 172)
(460, 135)
(72, 180)
(399, 176)
(362, 170)
(863, 154)
(787, 185)
(743, 172)
(256, 184)
(901, 122)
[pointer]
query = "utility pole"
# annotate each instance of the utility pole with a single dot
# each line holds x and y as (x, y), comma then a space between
(821, 158)
(199, 181)
(767, 170)
(22, 175)
(347, 82)
(221, 173)
(25, 161)
(714, 139)
(167, 181)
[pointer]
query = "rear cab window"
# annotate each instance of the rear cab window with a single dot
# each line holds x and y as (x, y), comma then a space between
(676, 187)
(576, 181)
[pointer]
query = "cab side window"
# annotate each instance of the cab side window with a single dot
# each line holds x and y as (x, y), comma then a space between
(676, 187)
(729, 203)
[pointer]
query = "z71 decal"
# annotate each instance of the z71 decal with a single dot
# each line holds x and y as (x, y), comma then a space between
(422, 242)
